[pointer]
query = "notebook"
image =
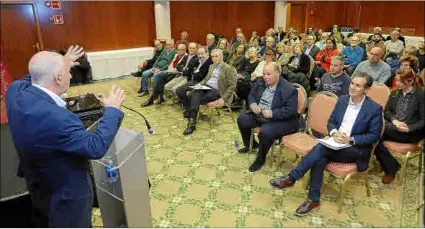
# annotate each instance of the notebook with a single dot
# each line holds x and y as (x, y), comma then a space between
(330, 143)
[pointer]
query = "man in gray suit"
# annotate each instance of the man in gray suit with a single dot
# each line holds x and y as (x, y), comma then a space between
(310, 48)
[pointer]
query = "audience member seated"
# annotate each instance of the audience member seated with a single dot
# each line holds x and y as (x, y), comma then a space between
(163, 77)
(400, 37)
(353, 55)
(186, 67)
(355, 120)
(321, 44)
(297, 69)
(273, 107)
(411, 63)
(234, 39)
(240, 39)
(254, 35)
(394, 45)
(421, 55)
(256, 44)
(337, 35)
(237, 56)
(374, 66)
(310, 31)
(362, 44)
(280, 34)
(269, 56)
(323, 58)
(377, 41)
(244, 75)
(292, 38)
(161, 64)
(404, 120)
(310, 48)
(283, 54)
(269, 33)
(376, 30)
(183, 39)
(336, 80)
(148, 64)
(221, 79)
(222, 44)
(197, 75)
(269, 45)
(210, 42)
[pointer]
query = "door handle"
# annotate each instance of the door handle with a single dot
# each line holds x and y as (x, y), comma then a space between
(37, 46)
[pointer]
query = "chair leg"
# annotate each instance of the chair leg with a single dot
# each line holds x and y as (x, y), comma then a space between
(404, 167)
(231, 114)
(272, 156)
(342, 194)
(210, 111)
(251, 140)
(366, 180)
(420, 161)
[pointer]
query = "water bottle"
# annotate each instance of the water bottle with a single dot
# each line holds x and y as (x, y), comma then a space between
(236, 144)
(111, 173)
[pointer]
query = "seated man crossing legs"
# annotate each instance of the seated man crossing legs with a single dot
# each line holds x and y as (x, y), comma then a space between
(273, 106)
(186, 67)
(356, 120)
(221, 79)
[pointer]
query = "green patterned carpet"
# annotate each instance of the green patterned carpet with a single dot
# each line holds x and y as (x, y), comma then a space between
(201, 181)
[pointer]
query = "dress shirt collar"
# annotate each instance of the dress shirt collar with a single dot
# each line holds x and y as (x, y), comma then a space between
(354, 105)
(58, 100)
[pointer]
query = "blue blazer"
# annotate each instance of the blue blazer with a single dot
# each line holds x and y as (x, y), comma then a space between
(54, 149)
(285, 100)
(366, 130)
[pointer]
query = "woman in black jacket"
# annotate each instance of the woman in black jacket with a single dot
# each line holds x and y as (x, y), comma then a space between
(404, 120)
(298, 68)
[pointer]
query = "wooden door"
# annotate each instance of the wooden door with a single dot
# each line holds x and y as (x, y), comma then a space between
(298, 15)
(19, 36)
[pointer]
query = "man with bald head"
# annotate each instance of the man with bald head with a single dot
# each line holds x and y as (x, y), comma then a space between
(273, 105)
(53, 146)
(374, 66)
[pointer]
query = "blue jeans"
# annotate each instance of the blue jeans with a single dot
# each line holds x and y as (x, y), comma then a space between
(316, 160)
(145, 79)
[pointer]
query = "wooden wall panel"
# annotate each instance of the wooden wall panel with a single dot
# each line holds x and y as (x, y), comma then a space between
(200, 18)
(298, 17)
(366, 14)
(99, 25)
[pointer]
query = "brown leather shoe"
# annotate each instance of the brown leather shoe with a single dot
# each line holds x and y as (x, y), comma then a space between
(306, 207)
(388, 178)
(282, 182)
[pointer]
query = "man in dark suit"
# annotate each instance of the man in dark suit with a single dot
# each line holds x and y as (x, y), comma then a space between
(355, 120)
(280, 33)
(310, 48)
(186, 67)
(53, 146)
(273, 105)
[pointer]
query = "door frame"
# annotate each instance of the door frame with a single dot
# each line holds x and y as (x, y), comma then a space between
(304, 18)
(34, 9)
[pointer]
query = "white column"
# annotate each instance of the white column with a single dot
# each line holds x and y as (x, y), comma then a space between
(280, 13)
(162, 19)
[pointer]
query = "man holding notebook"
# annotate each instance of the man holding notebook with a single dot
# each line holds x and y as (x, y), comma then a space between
(355, 120)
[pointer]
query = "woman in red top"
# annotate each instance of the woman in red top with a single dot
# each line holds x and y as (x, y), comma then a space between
(323, 58)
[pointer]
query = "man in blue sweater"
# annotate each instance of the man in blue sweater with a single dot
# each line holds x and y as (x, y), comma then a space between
(353, 55)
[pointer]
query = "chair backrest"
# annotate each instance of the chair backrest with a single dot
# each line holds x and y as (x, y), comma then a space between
(379, 93)
(302, 98)
(319, 111)
(311, 65)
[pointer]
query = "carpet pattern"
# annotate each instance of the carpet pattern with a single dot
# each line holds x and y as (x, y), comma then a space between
(201, 181)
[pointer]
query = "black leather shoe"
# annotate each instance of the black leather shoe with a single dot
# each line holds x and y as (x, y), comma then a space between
(255, 166)
(186, 114)
(306, 207)
(148, 102)
(143, 93)
(282, 182)
(191, 126)
(136, 74)
(244, 150)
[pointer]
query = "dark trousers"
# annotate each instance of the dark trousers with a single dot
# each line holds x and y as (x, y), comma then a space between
(243, 88)
(316, 160)
(388, 163)
(270, 131)
(195, 98)
(160, 80)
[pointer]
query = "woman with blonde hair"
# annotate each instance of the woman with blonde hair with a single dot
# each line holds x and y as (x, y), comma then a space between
(222, 44)
(283, 54)
(297, 70)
